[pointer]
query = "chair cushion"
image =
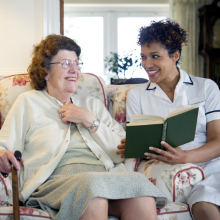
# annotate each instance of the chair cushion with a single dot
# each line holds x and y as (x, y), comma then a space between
(26, 213)
(175, 211)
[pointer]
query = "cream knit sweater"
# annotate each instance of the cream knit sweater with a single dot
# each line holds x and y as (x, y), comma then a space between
(34, 127)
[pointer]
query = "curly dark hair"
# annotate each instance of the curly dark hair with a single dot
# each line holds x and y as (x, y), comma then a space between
(166, 32)
(43, 54)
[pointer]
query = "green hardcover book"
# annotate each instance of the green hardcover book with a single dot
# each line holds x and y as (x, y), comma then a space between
(144, 131)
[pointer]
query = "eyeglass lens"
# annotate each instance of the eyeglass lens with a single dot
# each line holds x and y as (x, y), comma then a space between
(67, 64)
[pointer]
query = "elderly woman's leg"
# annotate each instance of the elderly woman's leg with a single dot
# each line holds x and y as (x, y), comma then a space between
(205, 211)
(141, 208)
(96, 210)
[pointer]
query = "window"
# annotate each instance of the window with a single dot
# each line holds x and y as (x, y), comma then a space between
(103, 28)
(88, 34)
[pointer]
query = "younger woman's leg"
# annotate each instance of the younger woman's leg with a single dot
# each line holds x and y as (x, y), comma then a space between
(205, 211)
(96, 210)
(141, 208)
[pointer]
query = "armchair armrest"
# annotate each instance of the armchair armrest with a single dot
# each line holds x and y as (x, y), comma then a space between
(175, 181)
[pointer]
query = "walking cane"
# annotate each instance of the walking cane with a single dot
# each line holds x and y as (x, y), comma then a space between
(16, 214)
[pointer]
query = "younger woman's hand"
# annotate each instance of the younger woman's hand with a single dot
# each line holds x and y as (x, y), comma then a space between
(170, 155)
(121, 148)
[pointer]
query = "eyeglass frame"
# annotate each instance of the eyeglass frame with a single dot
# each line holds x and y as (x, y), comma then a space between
(72, 63)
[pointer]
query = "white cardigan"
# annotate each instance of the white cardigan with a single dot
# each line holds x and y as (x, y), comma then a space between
(34, 127)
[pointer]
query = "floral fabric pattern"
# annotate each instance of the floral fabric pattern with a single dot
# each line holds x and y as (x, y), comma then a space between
(184, 179)
(10, 88)
(5, 191)
(20, 80)
(3, 100)
(153, 180)
(175, 181)
(116, 101)
(26, 213)
(90, 84)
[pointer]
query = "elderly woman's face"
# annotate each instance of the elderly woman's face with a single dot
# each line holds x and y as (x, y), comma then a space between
(157, 62)
(63, 80)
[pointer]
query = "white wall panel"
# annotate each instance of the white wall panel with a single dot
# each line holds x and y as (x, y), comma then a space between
(24, 23)
(116, 1)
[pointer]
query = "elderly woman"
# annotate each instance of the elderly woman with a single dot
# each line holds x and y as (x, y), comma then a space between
(69, 166)
(171, 88)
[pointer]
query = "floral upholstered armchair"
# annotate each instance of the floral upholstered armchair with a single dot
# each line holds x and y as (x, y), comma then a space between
(175, 181)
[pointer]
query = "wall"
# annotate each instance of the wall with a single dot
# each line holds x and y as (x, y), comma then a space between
(21, 27)
(24, 23)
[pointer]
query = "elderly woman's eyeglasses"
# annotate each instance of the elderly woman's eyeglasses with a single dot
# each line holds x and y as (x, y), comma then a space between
(67, 64)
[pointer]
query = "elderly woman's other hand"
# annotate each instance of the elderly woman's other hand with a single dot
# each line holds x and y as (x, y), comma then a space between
(72, 113)
(121, 148)
(6, 159)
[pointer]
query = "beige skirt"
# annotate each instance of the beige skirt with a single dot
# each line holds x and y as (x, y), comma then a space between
(68, 191)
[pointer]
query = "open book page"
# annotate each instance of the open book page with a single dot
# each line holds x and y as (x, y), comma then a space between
(146, 122)
(179, 111)
(145, 119)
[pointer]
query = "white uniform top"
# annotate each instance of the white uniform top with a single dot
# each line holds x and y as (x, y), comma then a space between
(190, 90)
(150, 99)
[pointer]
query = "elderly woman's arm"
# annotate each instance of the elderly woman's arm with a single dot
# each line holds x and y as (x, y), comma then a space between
(109, 136)
(110, 132)
(12, 135)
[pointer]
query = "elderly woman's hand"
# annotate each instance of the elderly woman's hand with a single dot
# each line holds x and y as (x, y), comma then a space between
(170, 156)
(121, 148)
(7, 157)
(72, 113)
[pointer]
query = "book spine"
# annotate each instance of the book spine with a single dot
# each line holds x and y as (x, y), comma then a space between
(164, 132)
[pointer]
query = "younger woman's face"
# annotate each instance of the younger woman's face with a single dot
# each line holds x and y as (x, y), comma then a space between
(157, 62)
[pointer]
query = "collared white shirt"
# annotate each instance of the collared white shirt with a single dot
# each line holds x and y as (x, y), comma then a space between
(150, 99)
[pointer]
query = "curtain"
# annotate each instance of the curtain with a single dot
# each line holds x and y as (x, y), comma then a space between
(185, 12)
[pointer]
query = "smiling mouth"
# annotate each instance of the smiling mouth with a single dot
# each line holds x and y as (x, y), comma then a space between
(152, 73)
(71, 78)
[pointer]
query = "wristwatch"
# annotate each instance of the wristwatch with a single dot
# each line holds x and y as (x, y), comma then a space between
(94, 124)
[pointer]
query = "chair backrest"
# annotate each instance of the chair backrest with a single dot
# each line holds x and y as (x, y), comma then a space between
(12, 86)
(116, 99)
(128, 81)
